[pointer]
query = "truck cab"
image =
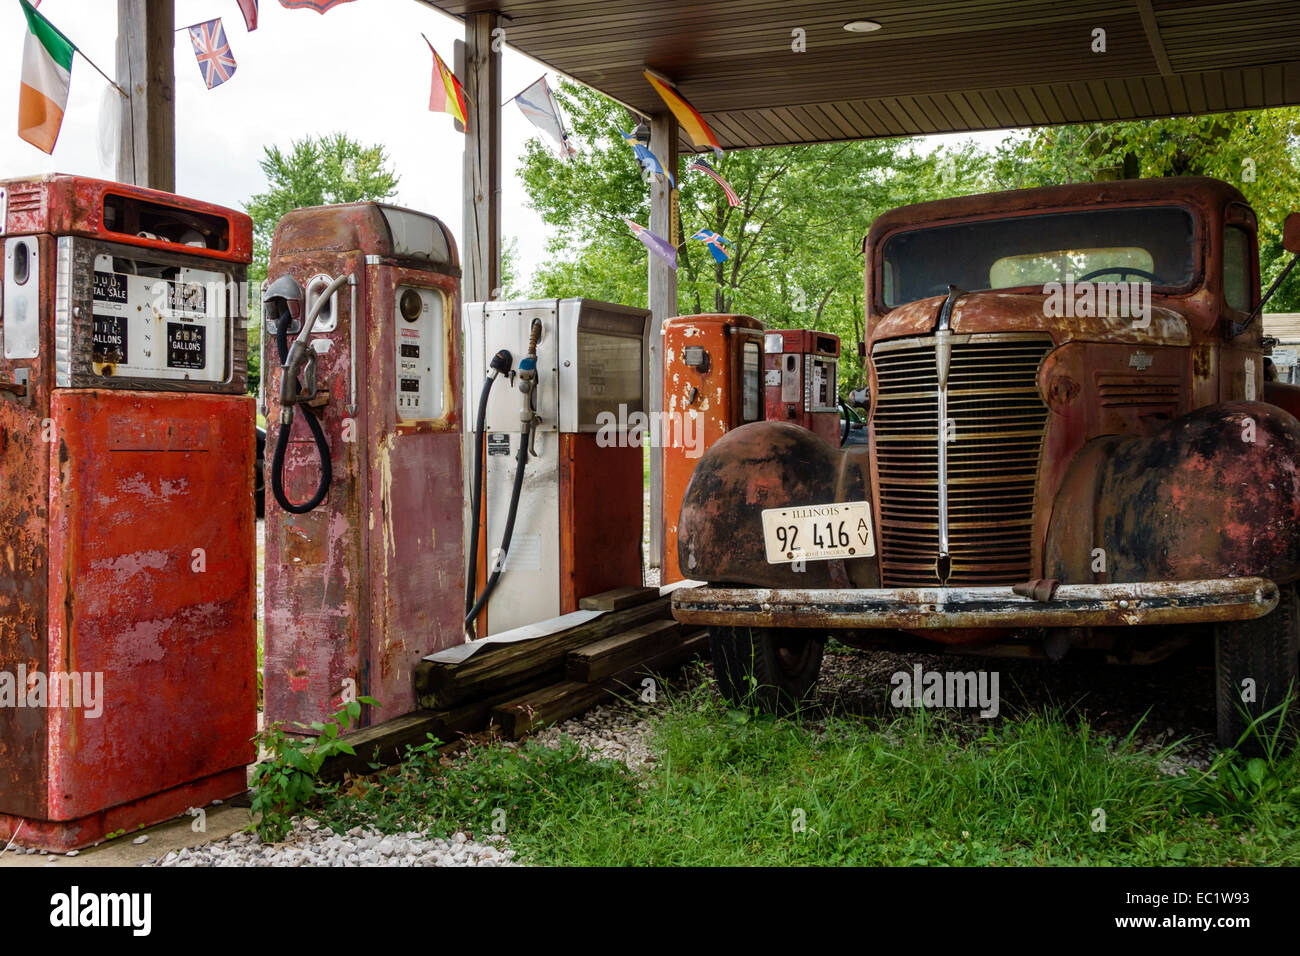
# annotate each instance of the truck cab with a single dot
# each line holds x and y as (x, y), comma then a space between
(1072, 445)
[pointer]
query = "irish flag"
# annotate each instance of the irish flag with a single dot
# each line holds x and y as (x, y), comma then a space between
(47, 70)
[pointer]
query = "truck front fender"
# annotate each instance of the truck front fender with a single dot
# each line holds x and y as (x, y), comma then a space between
(1214, 494)
(758, 466)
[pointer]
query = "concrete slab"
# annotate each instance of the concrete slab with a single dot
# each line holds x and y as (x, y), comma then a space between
(219, 822)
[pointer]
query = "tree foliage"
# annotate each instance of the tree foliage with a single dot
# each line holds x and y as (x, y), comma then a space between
(1256, 151)
(313, 172)
(796, 237)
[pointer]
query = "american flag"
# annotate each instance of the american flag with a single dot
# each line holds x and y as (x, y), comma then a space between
(213, 52)
(702, 166)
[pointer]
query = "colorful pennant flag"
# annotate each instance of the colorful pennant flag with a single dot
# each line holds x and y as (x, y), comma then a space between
(320, 6)
(216, 62)
(715, 243)
(658, 245)
(249, 9)
(538, 105)
(446, 94)
(702, 166)
(47, 73)
(647, 159)
(692, 122)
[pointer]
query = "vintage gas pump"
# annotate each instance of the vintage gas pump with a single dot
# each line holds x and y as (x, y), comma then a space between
(712, 383)
(364, 552)
(560, 481)
(127, 641)
(800, 380)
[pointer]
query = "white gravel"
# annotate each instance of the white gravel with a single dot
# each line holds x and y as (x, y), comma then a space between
(616, 731)
(313, 844)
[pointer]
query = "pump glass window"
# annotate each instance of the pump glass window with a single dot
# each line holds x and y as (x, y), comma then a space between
(421, 342)
(1236, 268)
(752, 383)
(1103, 245)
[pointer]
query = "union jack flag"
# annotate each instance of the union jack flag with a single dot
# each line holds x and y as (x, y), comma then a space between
(216, 62)
(702, 166)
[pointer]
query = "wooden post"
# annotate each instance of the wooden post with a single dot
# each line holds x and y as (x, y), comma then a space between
(478, 63)
(145, 69)
(663, 305)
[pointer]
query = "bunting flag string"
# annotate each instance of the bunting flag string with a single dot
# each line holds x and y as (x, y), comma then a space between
(656, 243)
(540, 108)
(212, 50)
(703, 166)
(697, 130)
(320, 6)
(446, 95)
(645, 157)
(715, 244)
(249, 9)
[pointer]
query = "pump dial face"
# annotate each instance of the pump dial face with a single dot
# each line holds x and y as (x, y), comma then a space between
(411, 305)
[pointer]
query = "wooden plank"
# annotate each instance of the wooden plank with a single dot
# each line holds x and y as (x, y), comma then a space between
(606, 658)
(617, 599)
(528, 713)
(386, 742)
(145, 69)
(499, 667)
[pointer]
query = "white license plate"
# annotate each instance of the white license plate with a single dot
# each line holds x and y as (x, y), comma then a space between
(818, 532)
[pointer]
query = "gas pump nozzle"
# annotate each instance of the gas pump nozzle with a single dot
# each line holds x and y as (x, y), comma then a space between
(295, 360)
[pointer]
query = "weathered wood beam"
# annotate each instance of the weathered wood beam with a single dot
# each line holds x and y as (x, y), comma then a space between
(663, 305)
(478, 64)
(146, 70)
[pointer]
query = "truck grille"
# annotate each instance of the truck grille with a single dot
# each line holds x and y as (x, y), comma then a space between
(996, 420)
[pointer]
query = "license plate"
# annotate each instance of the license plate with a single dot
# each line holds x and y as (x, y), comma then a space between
(818, 532)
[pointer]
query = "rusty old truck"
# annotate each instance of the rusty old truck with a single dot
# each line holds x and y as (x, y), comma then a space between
(1074, 443)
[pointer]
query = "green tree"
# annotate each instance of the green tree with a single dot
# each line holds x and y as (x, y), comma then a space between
(1257, 151)
(795, 254)
(313, 172)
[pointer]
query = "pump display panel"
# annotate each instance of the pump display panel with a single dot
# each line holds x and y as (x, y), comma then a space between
(130, 319)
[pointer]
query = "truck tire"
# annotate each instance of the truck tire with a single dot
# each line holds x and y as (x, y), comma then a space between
(1265, 650)
(772, 669)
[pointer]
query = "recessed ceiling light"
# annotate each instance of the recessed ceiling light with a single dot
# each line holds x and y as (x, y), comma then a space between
(862, 26)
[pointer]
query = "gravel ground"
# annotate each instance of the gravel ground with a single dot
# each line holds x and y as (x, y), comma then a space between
(616, 731)
(311, 844)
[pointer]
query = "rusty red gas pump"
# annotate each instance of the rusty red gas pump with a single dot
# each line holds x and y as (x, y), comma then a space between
(800, 380)
(364, 538)
(127, 641)
(712, 384)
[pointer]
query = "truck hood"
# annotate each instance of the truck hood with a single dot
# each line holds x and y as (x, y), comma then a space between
(1029, 312)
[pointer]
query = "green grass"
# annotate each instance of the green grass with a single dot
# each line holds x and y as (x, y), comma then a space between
(731, 788)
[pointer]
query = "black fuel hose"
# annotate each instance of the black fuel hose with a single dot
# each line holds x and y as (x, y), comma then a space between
(282, 442)
(501, 363)
(521, 461)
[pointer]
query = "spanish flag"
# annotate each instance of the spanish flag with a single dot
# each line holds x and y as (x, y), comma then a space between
(447, 95)
(692, 122)
(47, 73)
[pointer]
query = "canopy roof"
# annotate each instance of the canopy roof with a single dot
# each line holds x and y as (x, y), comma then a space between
(932, 67)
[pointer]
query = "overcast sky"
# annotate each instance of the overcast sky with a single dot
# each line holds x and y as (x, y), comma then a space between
(299, 74)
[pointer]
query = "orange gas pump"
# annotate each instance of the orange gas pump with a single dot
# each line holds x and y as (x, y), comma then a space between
(800, 380)
(712, 383)
(127, 642)
(362, 389)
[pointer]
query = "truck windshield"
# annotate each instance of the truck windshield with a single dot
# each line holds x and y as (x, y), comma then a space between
(1133, 244)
